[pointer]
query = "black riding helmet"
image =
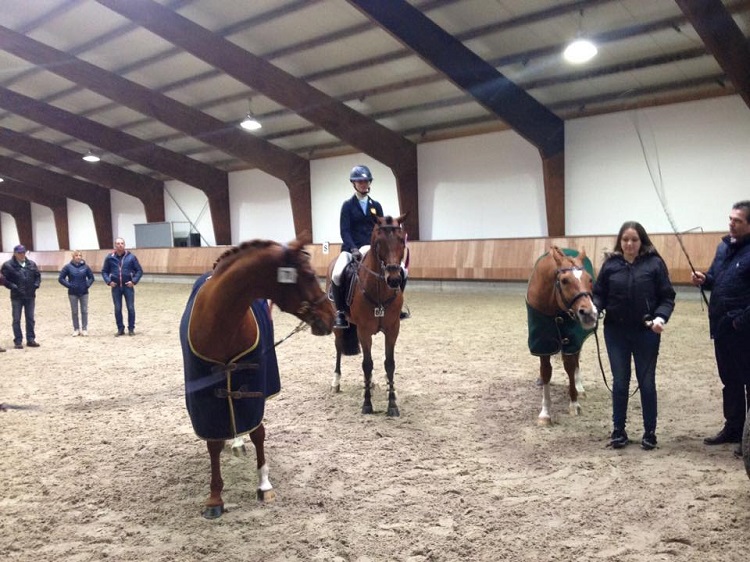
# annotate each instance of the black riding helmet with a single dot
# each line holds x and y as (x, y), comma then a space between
(360, 173)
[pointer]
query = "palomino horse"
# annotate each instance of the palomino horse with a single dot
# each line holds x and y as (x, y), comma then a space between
(375, 305)
(561, 315)
(228, 351)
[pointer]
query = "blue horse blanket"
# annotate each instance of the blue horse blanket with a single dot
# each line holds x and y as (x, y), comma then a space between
(227, 400)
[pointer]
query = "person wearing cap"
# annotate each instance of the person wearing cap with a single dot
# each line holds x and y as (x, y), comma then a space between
(358, 217)
(122, 271)
(23, 279)
(4, 283)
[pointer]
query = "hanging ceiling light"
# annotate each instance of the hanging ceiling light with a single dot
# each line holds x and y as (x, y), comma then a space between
(91, 157)
(250, 123)
(581, 49)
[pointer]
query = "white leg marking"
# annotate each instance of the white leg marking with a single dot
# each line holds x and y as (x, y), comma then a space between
(579, 383)
(264, 484)
(544, 415)
(336, 382)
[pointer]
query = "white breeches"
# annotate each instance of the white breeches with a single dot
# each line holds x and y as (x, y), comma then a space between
(345, 257)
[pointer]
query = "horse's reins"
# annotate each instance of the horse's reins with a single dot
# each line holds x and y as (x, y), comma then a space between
(307, 316)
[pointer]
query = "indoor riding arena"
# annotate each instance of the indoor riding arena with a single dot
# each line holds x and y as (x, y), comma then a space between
(412, 167)
(100, 460)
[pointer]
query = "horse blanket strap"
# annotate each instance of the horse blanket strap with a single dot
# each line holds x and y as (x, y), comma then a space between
(215, 393)
(549, 335)
(236, 394)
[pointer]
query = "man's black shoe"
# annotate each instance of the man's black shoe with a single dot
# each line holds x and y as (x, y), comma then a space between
(32, 344)
(131, 332)
(724, 436)
(120, 333)
(340, 322)
(18, 346)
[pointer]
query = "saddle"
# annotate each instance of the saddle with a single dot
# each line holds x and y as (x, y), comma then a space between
(347, 282)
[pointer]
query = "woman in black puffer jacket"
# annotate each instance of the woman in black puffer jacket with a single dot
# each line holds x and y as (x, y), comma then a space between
(634, 290)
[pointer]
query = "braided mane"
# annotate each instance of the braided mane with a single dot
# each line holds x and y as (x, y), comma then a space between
(228, 257)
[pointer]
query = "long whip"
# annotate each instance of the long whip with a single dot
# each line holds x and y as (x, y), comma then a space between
(659, 188)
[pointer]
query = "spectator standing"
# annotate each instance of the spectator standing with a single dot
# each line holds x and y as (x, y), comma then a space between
(23, 278)
(121, 271)
(728, 279)
(77, 276)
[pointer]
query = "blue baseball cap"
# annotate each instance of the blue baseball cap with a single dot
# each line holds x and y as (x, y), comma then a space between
(20, 249)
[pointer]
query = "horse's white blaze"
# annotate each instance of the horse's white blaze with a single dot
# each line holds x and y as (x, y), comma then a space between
(544, 415)
(264, 484)
(578, 273)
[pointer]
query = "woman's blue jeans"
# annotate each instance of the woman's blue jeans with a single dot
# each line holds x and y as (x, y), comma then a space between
(643, 346)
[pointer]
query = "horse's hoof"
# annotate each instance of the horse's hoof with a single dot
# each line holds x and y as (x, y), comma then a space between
(336, 388)
(266, 496)
(367, 409)
(539, 382)
(575, 410)
(213, 511)
(393, 412)
(544, 421)
(240, 451)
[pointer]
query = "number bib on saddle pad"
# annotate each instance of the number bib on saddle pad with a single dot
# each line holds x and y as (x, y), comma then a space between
(223, 404)
(549, 335)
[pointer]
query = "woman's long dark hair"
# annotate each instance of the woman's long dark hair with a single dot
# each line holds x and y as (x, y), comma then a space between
(647, 247)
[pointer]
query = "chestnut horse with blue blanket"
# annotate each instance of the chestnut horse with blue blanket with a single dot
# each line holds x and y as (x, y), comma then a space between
(561, 315)
(228, 351)
(376, 300)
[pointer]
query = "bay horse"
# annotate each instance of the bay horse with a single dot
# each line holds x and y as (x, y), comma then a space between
(376, 300)
(561, 315)
(226, 335)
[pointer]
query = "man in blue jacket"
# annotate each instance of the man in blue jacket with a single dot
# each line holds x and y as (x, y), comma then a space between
(728, 279)
(23, 279)
(121, 271)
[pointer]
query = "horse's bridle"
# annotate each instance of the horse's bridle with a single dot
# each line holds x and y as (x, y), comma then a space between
(568, 304)
(384, 267)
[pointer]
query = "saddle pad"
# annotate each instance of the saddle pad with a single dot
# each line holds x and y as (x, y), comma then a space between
(549, 335)
(215, 415)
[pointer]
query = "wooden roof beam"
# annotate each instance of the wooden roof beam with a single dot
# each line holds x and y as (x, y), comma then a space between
(21, 212)
(361, 132)
(96, 197)
(723, 39)
(530, 119)
(214, 183)
(148, 190)
(33, 194)
(275, 161)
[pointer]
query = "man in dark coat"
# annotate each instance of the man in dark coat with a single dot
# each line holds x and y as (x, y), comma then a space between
(728, 279)
(23, 279)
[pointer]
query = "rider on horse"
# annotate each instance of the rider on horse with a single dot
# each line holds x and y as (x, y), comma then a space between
(358, 217)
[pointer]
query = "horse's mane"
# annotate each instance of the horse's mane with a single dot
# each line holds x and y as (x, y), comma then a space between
(228, 257)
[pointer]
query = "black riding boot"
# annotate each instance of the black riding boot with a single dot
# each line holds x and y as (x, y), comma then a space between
(405, 313)
(339, 322)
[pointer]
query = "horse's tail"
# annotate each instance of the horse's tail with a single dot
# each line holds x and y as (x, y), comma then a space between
(350, 341)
